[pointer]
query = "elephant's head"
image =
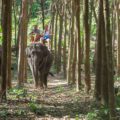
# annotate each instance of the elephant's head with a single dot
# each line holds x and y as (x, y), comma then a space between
(34, 56)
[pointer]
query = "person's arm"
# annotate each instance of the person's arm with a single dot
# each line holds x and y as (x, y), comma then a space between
(32, 32)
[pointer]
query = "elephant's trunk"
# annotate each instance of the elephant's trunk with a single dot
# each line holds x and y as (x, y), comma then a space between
(35, 72)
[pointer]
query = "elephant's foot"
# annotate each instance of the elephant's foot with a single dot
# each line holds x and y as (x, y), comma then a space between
(41, 86)
(45, 86)
(36, 86)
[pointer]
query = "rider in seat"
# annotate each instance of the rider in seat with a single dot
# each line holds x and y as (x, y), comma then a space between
(35, 34)
(46, 38)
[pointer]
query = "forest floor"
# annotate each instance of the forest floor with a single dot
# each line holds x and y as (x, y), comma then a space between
(58, 102)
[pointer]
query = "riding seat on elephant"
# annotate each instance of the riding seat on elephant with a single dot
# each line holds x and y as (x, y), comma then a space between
(40, 61)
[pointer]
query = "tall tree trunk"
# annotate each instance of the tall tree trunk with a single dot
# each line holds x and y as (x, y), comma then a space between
(98, 54)
(73, 64)
(25, 41)
(104, 74)
(74, 47)
(0, 9)
(6, 27)
(43, 16)
(109, 61)
(64, 47)
(15, 22)
(60, 45)
(9, 84)
(71, 45)
(55, 38)
(22, 43)
(87, 45)
(118, 37)
(79, 57)
(52, 28)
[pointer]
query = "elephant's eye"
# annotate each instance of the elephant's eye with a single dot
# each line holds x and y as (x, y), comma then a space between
(29, 56)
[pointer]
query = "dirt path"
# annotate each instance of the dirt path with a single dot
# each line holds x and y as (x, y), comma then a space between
(61, 101)
(58, 102)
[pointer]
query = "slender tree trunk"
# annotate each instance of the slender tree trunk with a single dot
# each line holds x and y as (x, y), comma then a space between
(60, 45)
(114, 36)
(15, 23)
(109, 61)
(6, 27)
(43, 16)
(74, 48)
(22, 43)
(52, 27)
(55, 39)
(73, 65)
(104, 74)
(87, 45)
(98, 54)
(118, 38)
(9, 32)
(64, 47)
(0, 9)
(71, 45)
(79, 57)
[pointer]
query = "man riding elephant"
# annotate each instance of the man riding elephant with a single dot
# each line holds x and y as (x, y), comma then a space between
(40, 60)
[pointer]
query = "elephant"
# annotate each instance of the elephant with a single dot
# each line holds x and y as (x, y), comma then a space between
(40, 61)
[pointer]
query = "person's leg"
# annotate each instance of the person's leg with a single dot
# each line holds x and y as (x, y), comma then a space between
(49, 44)
(41, 40)
(32, 38)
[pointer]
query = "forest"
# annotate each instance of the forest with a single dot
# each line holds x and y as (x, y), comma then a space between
(59, 59)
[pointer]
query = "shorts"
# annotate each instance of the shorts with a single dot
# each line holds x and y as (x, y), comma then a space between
(46, 37)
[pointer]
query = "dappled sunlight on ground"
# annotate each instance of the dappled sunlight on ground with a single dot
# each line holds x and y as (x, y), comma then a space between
(58, 102)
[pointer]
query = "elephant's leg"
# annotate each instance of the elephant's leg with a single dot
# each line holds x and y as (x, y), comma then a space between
(36, 79)
(41, 80)
(45, 80)
(36, 83)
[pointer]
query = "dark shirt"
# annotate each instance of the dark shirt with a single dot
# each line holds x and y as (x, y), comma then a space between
(36, 31)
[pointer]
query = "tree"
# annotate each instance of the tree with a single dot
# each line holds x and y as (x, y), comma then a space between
(98, 53)
(43, 15)
(71, 42)
(22, 42)
(79, 56)
(118, 36)
(87, 44)
(104, 62)
(59, 57)
(0, 8)
(65, 39)
(6, 30)
(109, 61)
(52, 23)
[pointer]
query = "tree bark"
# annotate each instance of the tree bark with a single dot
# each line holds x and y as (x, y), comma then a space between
(87, 45)
(71, 45)
(9, 84)
(65, 43)
(118, 37)
(98, 54)
(6, 27)
(79, 56)
(43, 16)
(55, 38)
(109, 61)
(60, 45)
(22, 43)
